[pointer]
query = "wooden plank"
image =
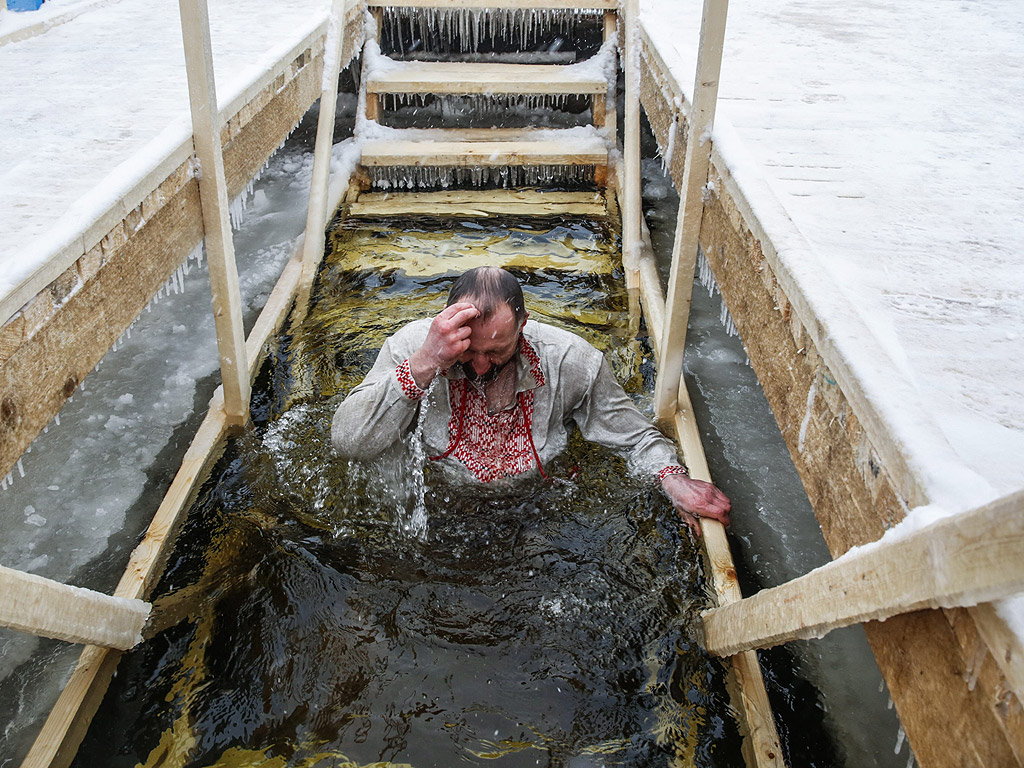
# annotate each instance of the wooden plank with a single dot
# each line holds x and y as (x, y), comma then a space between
(440, 77)
(41, 606)
(762, 747)
(526, 4)
(963, 560)
(496, 153)
(478, 210)
(484, 196)
(64, 729)
(206, 128)
(631, 203)
(691, 204)
(479, 203)
(316, 211)
(610, 120)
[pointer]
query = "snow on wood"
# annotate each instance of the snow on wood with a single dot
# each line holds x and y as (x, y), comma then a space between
(30, 603)
(959, 561)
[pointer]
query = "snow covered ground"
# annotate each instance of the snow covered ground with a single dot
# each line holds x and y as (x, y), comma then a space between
(892, 136)
(91, 105)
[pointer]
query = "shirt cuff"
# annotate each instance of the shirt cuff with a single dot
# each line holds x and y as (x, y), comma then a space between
(671, 469)
(408, 384)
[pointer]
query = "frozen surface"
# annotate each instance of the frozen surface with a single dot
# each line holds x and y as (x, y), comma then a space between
(93, 104)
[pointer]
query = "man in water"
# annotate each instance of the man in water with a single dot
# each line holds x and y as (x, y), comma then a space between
(512, 387)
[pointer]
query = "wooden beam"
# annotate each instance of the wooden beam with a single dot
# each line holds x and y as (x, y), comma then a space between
(631, 203)
(959, 561)
(691, 204)
(491, 153)
(610, 121)
(479, 203)
(40, 606)
(316, 212)
(206, 128)
(445, 77)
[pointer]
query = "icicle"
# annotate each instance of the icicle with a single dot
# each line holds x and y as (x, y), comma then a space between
(56, 419)
(21, 469)
(900, 735)
(726, 320)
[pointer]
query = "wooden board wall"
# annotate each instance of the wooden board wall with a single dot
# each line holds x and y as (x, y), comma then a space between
(953, 700)
(49, 347)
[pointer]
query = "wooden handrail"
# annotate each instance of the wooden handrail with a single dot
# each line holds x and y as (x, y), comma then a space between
(959, 561)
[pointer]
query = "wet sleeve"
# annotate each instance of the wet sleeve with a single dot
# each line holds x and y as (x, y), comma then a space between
(378, 412)
(608, 416)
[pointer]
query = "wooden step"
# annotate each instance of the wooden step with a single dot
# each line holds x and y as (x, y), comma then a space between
(480, 203)
(585, 151)
(464, 78)
(604, 5)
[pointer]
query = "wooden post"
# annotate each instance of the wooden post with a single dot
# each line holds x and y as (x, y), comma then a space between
(610, 29)
(631, 203)
(959, 561)
(206, 130)
(41, 606)
(691, 206)
(316, 214)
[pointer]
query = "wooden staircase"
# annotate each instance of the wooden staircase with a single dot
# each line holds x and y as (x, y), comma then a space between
(481, 171)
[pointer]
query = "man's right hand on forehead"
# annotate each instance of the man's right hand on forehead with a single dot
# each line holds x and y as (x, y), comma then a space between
(447, 340)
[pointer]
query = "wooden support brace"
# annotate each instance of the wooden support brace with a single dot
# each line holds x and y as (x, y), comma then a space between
(691, 205)
(959, 561)
(206, 129)
(41, 606)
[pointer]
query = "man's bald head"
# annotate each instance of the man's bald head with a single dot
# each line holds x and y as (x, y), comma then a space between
(488, 288)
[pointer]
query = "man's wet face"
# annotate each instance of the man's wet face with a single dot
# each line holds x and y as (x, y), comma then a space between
(492, 345)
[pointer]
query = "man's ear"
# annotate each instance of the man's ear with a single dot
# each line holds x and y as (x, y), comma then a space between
(525, 318)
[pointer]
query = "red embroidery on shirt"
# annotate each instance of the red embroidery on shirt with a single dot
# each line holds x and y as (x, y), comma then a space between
(409, 386)
(671, 469)
(493, 445)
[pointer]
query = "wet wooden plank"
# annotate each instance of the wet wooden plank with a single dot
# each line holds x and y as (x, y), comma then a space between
(761, 746)
(480, 203)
